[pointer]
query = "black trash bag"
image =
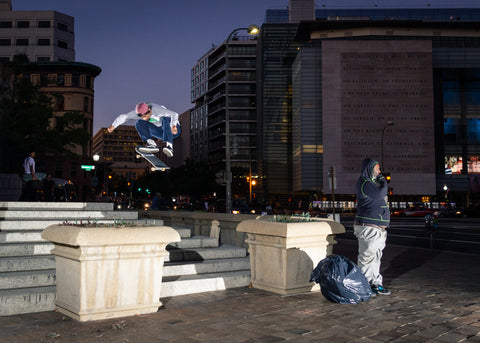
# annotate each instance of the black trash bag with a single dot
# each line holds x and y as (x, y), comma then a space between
(341, 280)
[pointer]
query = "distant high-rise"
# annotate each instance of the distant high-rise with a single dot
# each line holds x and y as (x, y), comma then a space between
(208, 114)
(44, 36)
(328, 88)
(300, 10)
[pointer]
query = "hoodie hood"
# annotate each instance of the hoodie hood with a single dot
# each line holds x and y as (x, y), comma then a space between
(367, 168)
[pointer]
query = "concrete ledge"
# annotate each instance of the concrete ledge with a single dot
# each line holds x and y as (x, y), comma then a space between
(73, 206)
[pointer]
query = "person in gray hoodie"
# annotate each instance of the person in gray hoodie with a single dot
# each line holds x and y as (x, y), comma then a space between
(371, 222)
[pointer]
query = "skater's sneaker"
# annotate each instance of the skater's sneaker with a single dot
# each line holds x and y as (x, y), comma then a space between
(150, 147)
(379, 289)
(168, 150)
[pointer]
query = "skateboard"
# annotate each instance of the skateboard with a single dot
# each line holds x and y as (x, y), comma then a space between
(156, 163)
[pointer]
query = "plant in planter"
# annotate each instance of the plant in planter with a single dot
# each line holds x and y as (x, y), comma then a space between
(298, 218)
(108, 270)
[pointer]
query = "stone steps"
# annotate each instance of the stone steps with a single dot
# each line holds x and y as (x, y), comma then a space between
(27, 300)
(26, 279)
(25, 249)
(22, 263)
(70, 206)
(172, 269)
(66, 215)
(27, 269)
(190, 284)
(201, 254)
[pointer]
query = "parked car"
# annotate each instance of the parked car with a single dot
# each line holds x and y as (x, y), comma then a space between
(416, 211)
(451, 212)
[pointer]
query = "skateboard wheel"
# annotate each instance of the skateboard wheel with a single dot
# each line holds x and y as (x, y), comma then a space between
(138, 156)
(153, 169)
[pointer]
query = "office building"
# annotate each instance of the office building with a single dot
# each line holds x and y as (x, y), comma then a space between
(117, 154)
(208, 134)
(44, 36)
(330, 87)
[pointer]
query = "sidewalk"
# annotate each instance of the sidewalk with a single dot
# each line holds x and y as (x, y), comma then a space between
(435, 298)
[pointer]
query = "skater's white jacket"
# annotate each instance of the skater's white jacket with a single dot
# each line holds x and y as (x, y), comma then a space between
(158, 111)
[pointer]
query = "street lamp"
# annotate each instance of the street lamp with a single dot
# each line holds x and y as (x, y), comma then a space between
(389, 123)
(96, 158)
(445, 188)
(251, 30)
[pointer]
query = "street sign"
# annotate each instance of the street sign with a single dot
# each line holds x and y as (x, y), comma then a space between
(87, 167)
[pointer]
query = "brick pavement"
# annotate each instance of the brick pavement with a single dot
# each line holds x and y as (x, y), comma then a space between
(435, 298)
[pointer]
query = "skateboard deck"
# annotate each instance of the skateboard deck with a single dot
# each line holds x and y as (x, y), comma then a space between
(156, 163)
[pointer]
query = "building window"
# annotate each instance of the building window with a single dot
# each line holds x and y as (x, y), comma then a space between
(62, 44)
(5, 24)
(21, 42)
(62, 27)
(85, 104)
(43, 41)
(43, 59)
(5, 42)
(44, 24)
(23, 24)
(61, 79)
(43, 79)
(75, 80)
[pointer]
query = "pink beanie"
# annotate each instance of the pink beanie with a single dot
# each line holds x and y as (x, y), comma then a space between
(141, 108)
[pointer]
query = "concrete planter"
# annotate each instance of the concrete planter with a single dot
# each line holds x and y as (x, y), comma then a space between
(108, 272)
(283, 255)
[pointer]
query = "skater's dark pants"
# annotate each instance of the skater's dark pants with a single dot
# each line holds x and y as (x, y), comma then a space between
(147, 130)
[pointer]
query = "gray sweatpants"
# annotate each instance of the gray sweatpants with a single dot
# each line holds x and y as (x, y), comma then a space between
(371, 242)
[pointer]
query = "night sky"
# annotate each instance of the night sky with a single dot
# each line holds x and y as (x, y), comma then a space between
(146, 48)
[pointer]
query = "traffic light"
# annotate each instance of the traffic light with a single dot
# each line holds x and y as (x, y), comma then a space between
(388, 177)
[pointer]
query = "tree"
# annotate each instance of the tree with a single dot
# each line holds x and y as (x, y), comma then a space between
(27, 121)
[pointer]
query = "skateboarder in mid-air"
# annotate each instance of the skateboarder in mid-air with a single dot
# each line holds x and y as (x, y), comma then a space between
(152, 121)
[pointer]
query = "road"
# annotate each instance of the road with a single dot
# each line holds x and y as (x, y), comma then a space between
(452, 234)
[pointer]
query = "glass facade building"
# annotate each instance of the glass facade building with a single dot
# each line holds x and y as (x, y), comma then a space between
(277, 51)
(292, 88)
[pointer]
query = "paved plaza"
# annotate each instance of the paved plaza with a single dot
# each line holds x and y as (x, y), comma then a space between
(435, 298)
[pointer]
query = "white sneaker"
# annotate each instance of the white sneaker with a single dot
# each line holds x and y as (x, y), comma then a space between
(168, 151)
(150, 147)
(151, 143)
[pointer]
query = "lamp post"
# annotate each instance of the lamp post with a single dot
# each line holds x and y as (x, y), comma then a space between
(445, 189)
(389, 123)
(252, 30)
(96, 158)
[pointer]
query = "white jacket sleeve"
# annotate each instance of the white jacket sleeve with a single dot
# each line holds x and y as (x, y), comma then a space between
(173, 118)
(123, 118)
